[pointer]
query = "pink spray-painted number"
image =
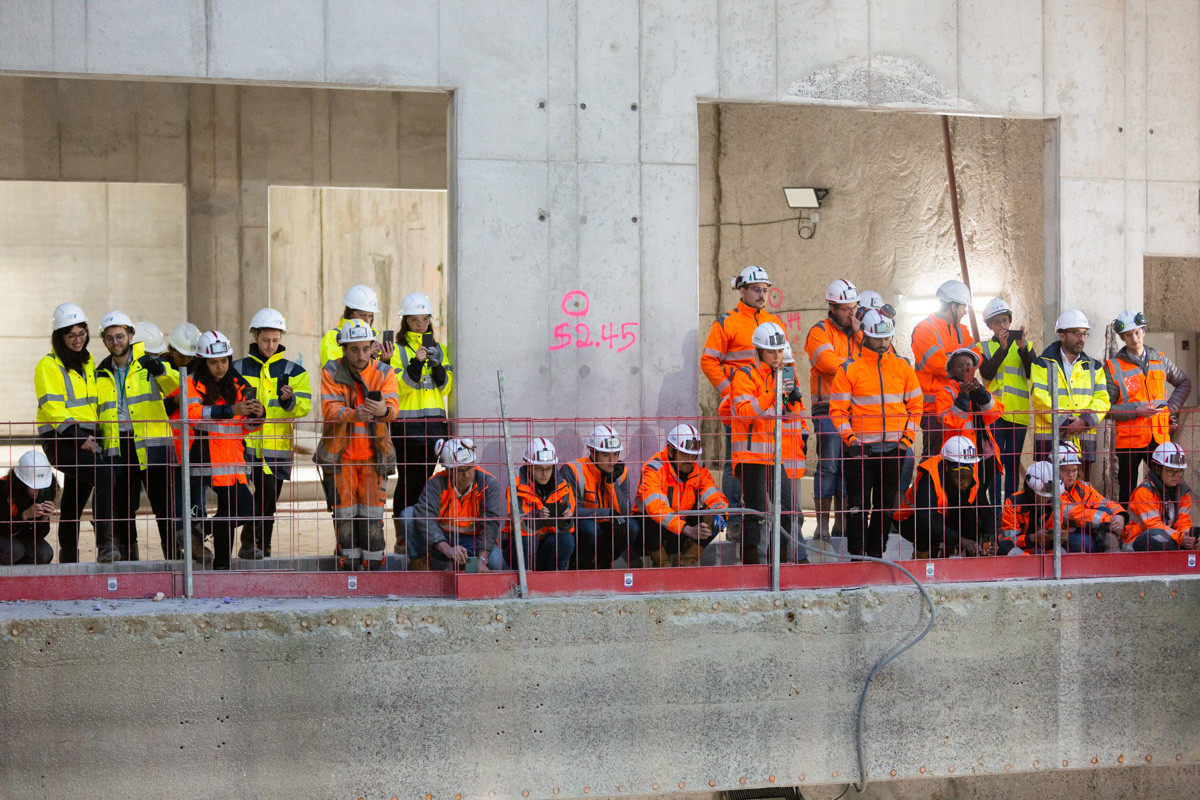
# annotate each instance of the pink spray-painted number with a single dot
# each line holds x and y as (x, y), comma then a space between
(576, 304)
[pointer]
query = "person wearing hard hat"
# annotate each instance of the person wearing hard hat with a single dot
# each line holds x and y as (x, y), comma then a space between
(1007, 360)
(359, 397)
(425, 378)
(65, 383)
(547, 506)
(222, 413)
(933, 340)
(455, 523)
(137, 438)
(148, 339)
(181, 344)
(1160, 509)
(1082, 391)
(1028, 512)
(828, 346)
(754, 405)
(1137, 378)
(359, 302)
(26, 505)
(676, 497)
(282, 387)
(1090, 521)
(875, 404)
(967, 409)
(944, 512)
(599, 482)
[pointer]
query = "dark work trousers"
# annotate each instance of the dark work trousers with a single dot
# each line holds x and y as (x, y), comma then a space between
(872, 482)
(120, 489)
(755, 480)
(159, 480)
(1129, 467)
(602, 540)
(415, 458)
(234, 505)
(268, 486)
(933, 434)
(25, 543)
(78, 467)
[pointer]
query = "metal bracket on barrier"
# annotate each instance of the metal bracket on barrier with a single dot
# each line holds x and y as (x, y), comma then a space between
(929, 570)
(112, 584)
(352, 583)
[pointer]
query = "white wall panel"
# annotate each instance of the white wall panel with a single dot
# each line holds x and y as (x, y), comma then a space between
(269, 40)
(747, 49)
(679, 64)
(1173, 218)
(1173, 90)
(147, 37)
(1000, 56)
(392, 42)
(1093, 248)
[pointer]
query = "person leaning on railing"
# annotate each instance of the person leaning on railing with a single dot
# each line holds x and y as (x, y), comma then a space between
(67, 413)
(944, 512)
(1161, 506)
(457, 515)
(599, 480)
(547, 511)
(26, 504)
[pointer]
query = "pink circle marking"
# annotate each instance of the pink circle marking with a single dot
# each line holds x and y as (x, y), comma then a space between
(575, 303)
(775, 297)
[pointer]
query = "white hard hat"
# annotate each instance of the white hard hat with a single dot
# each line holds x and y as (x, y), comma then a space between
(115, 318)
(842, 291)
(954, 292)
(1128, 321)
(1068, 454)
(788, 358)
(750, 275)
(603, 439)
(967, 352)
(361, 298)
(1070, 319)
(877, 326)
(67, 315)
(540, 452)
(960, 450)
(150, 336)
(355, 330)
(870, 299)
(34, 470)
(1169, 454)
(268, 318)
(769, 336)
(1040, 477)
(214, 344)
(415, 304)
(458, 452)
(685, 438)
(995, 308)
(184, 337)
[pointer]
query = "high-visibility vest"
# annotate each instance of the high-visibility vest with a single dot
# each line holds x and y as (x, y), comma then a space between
(828, 347)
(273, 441)
(216, 449)
(968, 424)
(1083, 391)
(728, 345)
(532, 502)
(667, 499)
(1024, 513)
(753, 437)
(65, 397)
(342, 436)
(876, 398)
(933, 340)
(1135, 387)
(441, 514)
(1083, 505)
(1148, 509)
(424, 397)
(144, 399)
(592, 491)
(1010, 386)
(930, 469)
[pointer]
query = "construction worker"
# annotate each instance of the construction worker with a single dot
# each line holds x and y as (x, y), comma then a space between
(547, 510)
(425, 379)
(222, 414)
(1090, 522)
(933, 340)
(677, 496)
(181, 344)
(599, 482)
(966, 408)
(27, 493)
(1007, 360)
(1160, 509)
(944, 512)
(180, 352)
(456, 521)
(359, 397)
(795, 448)
(283, 388)
(875, 404)
(728, 347)
(359, 302)
(1028, 512)
(1137, 376)
(1082, 391)
(137, 439)
(828, 347)
(65, 383)
(754, 404)
(148, 339)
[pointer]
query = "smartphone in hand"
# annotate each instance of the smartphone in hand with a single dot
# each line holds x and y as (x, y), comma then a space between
(389, 336)
(374, 394)
(427, 339)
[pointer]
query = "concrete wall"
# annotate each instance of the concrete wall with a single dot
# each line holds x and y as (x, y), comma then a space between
(596, 696)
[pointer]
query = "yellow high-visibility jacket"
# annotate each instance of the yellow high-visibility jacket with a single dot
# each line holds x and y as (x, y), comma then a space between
(144, 395)
(65, 397)
(273, 441)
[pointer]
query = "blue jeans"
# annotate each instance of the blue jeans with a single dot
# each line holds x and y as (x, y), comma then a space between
(551, 552)
(1154, 539)
(829, 479)
(418, 548)
(1010, 438)
(1078, 542)
(602, 541)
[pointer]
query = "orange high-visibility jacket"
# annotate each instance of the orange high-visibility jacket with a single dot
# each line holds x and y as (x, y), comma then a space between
(876, 398)
(561, 501)
(1149, 509)
(667, 500)
(930, 470)
(1018, 520)
(933, 340)
(753, 400)
(1083, 505)
(216, 449)
(828, 347)
(728, 345)
(441, 514)
(968, 423)
(1130, 386)
(593, 491)
(342, 436)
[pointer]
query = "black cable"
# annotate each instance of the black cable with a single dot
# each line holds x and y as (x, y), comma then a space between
(747, 224)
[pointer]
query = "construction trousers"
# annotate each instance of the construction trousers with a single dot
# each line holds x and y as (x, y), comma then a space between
(78, 466)
(358, 505)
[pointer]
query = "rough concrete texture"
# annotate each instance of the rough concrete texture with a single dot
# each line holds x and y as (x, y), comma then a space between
(593, 696)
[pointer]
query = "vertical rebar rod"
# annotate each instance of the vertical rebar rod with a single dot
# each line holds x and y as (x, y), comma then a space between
(1056, 495)
(518, 534)
(777, 489)
(186, 479)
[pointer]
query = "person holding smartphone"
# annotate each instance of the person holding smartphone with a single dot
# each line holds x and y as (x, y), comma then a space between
(425, 378)
(28, 502)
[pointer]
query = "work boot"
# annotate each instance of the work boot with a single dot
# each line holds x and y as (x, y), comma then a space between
(659, 558)
(250, 549)
(349, 559)
(376, 545)
(689, 554)
(838, 505)
(200, 554)
(823, 505)
(419, 564)
(251, 554)
(109, 555)
(400, 548)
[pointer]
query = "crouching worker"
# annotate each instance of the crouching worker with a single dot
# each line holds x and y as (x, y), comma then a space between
(1160, 507)
(943, 512)
(547, 511)
(676, 490)
(600, 484)
(29, 490)
(359, 398)
(1027, 519)
(456, 521)
(1090, 522)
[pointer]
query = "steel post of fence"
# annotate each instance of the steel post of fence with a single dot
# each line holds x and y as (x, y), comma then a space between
(777, 489)
(518, 542)
(1056, 495)
(186, 480)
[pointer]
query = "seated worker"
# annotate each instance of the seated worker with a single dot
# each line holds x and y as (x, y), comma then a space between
(753, 401)
(28, 491)
(1028, 518)
(1160, 508)
(942, 513)
(1089, 521)
(967, 408)
(676, 491)
(457, 515)
(600, 484)
(359, 398)
(547, 511)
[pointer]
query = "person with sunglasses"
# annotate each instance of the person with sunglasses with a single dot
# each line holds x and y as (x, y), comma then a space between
(1007, 363)
(1137, 378)
(1161, 506)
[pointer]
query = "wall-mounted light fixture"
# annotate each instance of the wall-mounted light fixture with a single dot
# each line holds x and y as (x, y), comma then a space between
(805, 198)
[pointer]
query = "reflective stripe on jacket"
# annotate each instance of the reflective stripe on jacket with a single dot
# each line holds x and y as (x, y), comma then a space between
(667, 499)
(728, 345)
(144, 400)
(425, 397)
(1082, 393)
(876, 398)
(442, 515)
(1083, 505)
(1024, 513)
(930, 470)
(933, 340)
(340, 395)
(560, 500)
(753, 434)
(1010, 386)
(1148, 509)
(216, 449)
(64, 397)
(1132, 385)
(828, 347)
(594, 490)
(273, 441)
